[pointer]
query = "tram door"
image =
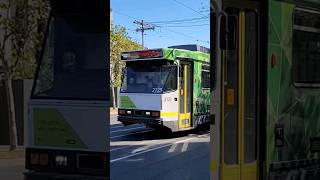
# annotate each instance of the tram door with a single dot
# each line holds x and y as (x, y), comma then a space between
(239, 98)
(185, 80)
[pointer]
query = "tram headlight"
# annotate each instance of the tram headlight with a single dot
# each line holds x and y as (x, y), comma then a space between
(61, 160)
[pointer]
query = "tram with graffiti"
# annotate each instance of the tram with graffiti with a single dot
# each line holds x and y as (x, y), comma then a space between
(168, 87)
(266, 99)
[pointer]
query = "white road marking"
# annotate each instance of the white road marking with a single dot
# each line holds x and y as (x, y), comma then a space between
(184, 147)
(123, 130)
(114, 149)
(143, 148)
(148, 130)
(172, 148)
(126, 146)
(118, 126)
(152, 149)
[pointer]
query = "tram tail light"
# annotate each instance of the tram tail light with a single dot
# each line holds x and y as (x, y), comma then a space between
(155, 114)
(44, 159)
(34, 158)
(121, 112)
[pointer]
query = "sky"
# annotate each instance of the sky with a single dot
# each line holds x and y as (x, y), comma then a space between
(176, 22)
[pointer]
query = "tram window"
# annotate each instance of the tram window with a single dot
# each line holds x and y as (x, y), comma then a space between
(171, 82)
(306, 49)
(73, 63)
(228, 32)
(149, 77)
(205, 76)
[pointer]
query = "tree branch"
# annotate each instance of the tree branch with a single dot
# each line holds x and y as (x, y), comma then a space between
(4, 41)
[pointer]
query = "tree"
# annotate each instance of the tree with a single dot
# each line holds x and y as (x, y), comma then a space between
(19, 40)
(119, 42)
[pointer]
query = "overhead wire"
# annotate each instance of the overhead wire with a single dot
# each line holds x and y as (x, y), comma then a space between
(196, 25)
(186, 6)
(121, 13)
(179, 20)
(172, 21)
(186, 35)
(182, 23)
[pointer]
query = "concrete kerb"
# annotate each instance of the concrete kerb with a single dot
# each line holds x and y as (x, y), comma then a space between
(5, 152)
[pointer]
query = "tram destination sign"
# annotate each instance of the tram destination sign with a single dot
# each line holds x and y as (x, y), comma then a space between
(144, 54)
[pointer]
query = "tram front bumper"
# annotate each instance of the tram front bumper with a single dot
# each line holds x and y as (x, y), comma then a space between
(33, 175)
(139, 120)
(155, 122)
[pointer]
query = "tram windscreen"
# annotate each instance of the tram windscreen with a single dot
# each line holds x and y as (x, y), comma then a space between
(152, 77)
(74, 61)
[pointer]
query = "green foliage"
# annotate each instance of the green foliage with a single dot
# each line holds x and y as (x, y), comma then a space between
(119, 42)
(23, 23)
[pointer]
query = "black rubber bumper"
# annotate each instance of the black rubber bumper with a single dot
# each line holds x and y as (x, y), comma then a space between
(31, 175)
(139, 120)
(82, 163)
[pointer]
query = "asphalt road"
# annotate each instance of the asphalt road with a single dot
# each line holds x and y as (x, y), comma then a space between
(139, 153)
(11, 172)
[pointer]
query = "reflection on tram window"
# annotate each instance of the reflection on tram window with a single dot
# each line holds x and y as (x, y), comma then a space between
(67, 68)
(306, 48)
(149, 77)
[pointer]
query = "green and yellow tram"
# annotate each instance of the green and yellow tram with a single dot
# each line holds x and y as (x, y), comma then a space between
(166, 87)
(265, 112)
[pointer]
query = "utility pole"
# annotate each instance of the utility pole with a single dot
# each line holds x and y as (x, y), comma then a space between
(143, 27)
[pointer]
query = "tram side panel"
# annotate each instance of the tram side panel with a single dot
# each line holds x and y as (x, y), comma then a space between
(201, 93)
(293, 102)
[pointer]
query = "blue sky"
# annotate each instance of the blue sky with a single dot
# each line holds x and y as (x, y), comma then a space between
(189, 21)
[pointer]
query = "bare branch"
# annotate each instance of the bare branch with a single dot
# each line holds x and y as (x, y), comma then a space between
(4, 41)
(6, 29)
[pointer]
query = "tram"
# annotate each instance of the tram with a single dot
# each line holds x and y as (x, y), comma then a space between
(68, 108)
(166, 87)
(265, 112)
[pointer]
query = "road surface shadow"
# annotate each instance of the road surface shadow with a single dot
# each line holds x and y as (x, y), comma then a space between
(161, 134)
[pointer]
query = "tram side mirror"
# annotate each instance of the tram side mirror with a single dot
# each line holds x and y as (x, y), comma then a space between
(228, 32)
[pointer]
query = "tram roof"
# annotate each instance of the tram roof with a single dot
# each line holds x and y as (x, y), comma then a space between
(173, 54)
(165, 53)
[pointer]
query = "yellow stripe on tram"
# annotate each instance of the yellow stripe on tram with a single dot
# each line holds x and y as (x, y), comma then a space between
(175, 114)
(168, 114)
